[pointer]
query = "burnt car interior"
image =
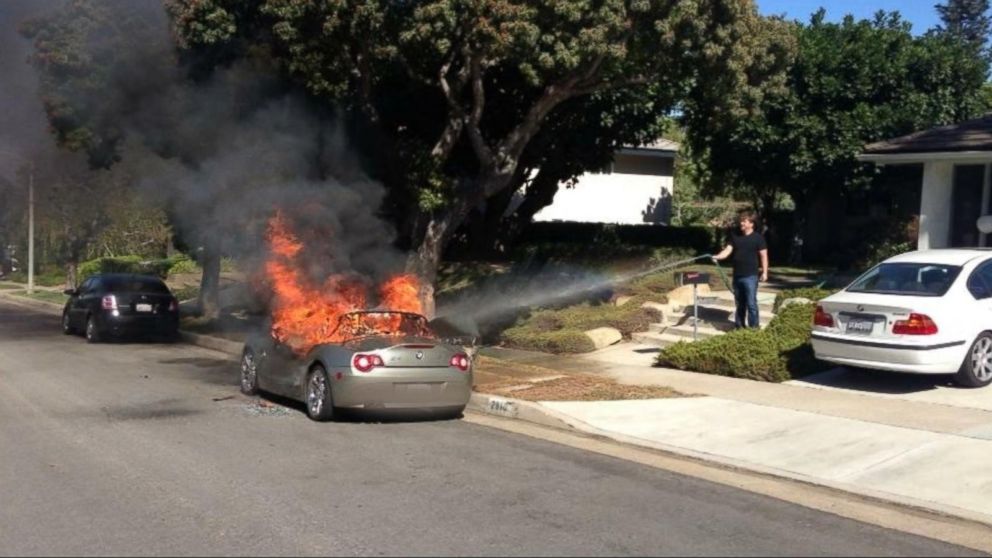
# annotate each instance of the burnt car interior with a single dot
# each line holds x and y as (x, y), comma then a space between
(355, 325)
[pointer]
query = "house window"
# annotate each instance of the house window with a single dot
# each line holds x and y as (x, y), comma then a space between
(966, 205)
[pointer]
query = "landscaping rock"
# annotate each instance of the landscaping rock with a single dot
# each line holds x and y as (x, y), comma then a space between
(795, 300)
(604, 336)
(682, 296)
(621, 300)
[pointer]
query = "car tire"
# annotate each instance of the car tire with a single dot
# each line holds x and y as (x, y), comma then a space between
(249, 373)
(67, 324)
(976, 370)
(92, 330)
(319, 402)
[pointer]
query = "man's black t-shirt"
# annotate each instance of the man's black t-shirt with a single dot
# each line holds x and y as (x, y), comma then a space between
(745, 256)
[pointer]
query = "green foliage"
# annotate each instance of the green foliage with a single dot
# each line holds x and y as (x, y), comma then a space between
(188, 292)
(778, 353)
(850, 83)
(183, 264)
(812, 293)
(557, 342)
(565, 326)
(126, 264)
(698, 239)
(744, 353)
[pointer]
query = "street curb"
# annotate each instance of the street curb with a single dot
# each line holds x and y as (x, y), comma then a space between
(507, 407)
(219, 344)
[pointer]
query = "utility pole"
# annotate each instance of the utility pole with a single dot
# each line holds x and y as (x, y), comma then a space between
(31, 227)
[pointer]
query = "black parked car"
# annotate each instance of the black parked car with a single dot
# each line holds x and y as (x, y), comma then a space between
(119, 304)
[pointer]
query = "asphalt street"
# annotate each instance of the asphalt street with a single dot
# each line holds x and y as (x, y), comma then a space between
(149, 449)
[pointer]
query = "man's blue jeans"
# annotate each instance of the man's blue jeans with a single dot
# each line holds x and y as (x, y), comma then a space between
(746, 296)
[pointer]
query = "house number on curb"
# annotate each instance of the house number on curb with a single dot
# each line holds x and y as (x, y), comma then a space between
(502, 407)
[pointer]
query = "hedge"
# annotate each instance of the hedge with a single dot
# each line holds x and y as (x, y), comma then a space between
(700, 239)
(135, 264)
(778, 353)
(561, 331)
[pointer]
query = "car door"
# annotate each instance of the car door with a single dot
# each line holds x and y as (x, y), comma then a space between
(281, 368)
(77, 309)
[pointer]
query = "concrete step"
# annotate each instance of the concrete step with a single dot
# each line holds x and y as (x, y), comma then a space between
(656, 339)
(728, 305)
(713, 315)
(686, 331)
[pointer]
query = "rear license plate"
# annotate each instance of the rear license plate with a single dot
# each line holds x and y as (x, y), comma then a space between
(418, 387)
(861, 327)
(143, 307)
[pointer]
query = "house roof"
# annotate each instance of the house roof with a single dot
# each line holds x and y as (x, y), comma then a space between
(971, 135)
(659, 148)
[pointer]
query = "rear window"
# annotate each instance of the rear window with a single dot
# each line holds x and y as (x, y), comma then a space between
(135, 285)
(909, 279)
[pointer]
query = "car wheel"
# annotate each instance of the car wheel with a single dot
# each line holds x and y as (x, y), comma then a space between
(320, 406)
(976, 371)
(92, 330)
(249, 373)
(67, 324)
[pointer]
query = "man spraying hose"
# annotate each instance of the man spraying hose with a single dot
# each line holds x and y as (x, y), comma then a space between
(750, 257)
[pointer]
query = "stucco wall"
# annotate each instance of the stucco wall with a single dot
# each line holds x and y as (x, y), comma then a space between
(613, 198)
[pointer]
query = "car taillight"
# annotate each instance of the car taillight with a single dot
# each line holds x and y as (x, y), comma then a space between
(365, 363)
(460, 361)
(917, 324)
(173, 305)
(109, 302)
(821, 318)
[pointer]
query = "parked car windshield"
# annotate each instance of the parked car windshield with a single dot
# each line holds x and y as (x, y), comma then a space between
(135, 284)
(909, 279)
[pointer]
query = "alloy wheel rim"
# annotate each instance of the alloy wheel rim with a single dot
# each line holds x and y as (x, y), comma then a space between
(247, 372)
(315, 394)
(981, 359)
(89, 329)
(65, 322)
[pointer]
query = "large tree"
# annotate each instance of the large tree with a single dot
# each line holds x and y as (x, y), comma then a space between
(967, 20)
(851, 83)
(453, 93)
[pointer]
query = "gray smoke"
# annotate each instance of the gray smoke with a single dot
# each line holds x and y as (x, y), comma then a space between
(224, 153)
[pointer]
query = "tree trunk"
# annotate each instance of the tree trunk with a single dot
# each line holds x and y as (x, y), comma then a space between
(71, 274)
(540, 194)
(425, 262)
(209, 300)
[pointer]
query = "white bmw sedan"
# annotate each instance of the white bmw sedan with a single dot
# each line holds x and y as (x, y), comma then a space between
(925, 312)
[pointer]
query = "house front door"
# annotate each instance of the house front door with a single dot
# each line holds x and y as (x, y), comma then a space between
(967, 200)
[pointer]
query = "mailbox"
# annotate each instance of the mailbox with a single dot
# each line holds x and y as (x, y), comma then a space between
(692, 278)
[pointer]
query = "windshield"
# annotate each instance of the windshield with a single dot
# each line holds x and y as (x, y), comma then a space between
(364, 324)
(909, 279)
(135, 284)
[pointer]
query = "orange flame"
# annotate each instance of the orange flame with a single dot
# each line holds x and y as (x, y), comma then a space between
(305, 314)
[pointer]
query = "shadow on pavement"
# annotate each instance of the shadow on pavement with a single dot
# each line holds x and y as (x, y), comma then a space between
(877, 381)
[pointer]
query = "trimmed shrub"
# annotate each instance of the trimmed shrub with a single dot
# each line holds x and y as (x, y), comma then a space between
(125, 264)
(745, 353)
(778, 353)
(812, 293)
(563, 341)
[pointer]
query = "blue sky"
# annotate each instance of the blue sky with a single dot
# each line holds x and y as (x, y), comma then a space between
(920, 13)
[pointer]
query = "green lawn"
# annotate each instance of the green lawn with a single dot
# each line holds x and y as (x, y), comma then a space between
(47, 296)
(10, 287)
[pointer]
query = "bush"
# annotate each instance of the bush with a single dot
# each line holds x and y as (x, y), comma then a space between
(745, 353)
(183, 264)
(778, 353)
(564, 341)
(125, 264)
(561, 331)
(812, 293)
(699, 239)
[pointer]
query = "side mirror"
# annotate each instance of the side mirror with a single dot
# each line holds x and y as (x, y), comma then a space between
(70, 292)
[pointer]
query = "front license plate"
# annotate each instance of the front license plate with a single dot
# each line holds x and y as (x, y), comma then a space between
(143, 307)
(861, 327)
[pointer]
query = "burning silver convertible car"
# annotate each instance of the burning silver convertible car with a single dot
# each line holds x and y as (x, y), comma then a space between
(383, 360)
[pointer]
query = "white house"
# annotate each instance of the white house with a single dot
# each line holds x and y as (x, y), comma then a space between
(635, 189)
(957, 174)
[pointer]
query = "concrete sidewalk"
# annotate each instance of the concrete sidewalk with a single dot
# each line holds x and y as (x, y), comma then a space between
(927, 450)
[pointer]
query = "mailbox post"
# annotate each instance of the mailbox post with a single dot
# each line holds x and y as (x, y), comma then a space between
(694, 278)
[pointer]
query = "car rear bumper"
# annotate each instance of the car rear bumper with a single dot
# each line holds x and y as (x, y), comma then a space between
(918, 358)
(403, 389)
(139, 325)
